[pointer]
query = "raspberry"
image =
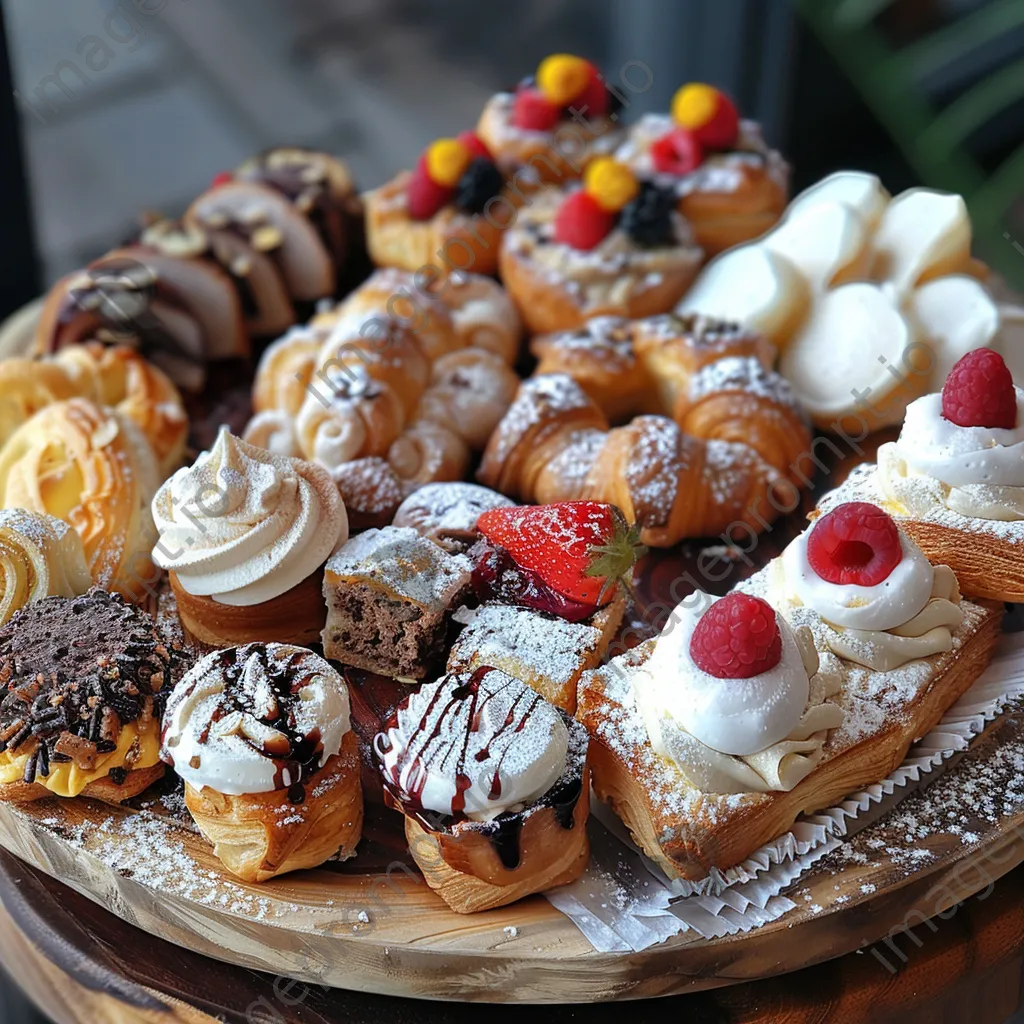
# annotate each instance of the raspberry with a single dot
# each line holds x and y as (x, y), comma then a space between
(533, 111)
(855, 543)
(423, 196)
(736, 638)
(677, 152)
(979, 392)
(580, 221)
(223, 178)
(593, 101)
(475, 145)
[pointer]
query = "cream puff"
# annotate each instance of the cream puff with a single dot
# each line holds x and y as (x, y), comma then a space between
(261, 736)
(244, 535)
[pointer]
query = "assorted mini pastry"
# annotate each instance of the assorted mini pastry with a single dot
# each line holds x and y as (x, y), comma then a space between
(449, 212)
(244, 535)
(390, 595)
(809, 681)
(611, 246)
(494, 785)
(954, 479)
(85, 681)
(733, 454)
(729, 183)
(261, 736)
(555, 121)
(447, 513)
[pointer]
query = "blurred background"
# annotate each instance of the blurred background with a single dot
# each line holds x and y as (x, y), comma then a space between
(113, 106)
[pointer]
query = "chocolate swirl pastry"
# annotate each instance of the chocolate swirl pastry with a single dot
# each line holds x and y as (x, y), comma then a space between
(75, 673)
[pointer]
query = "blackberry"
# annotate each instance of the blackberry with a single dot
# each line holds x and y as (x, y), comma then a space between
(481, 181)
(648, 218)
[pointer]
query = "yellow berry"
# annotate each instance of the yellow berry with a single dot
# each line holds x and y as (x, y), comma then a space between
(610, 183)
(695, 104)
(447, 160)
(562, 77)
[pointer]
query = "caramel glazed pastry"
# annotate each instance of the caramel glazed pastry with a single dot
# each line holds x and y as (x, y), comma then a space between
(783, 697)
(394, 389)
(244, 535)
(717, 439)
(85, 680)
(494, 785)
(261, 736)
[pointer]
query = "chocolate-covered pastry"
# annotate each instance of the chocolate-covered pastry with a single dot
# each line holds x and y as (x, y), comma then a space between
(85, 681)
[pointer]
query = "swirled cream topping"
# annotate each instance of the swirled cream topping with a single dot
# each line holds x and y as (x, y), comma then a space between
(911, 614)
(255, 719)
(243, 526)
(754, 735)
(473, 746)
(40, 556)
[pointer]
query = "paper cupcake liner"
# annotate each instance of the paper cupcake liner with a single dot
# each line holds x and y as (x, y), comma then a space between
(624, 902)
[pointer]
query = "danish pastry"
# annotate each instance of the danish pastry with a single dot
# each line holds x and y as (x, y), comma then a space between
(494, 785)
(262, 738)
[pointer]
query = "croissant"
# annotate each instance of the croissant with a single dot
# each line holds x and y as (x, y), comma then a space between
(93, 468)
(555, 444)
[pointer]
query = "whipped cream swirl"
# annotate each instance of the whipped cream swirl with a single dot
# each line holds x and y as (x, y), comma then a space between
(255, 719)
(911, 614)
(473, 746)
(244, 526)
(754, 735)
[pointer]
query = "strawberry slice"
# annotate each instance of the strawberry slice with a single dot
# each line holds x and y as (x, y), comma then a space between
(580, 550)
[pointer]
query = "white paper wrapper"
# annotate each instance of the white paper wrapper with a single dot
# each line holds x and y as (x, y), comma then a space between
(623, 901)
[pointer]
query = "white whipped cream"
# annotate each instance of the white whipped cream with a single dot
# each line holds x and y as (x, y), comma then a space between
(934, 446)
(504, 737)
(230, 728)
(732, 716)
(894, 601)
(244, 526)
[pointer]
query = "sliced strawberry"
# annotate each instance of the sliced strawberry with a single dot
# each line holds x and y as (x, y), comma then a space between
(474, 144)
(532, 111)
(581, 550)
(677, 152)
(737, 637)
(582, 222)
(423, 196)
(593, 101)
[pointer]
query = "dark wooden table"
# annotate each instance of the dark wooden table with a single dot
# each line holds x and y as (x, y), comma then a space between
(82, 965)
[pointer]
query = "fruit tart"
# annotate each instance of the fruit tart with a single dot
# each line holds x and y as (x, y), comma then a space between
(85, 681)
(494, 785)
(729, 184)
(712, 738)
(554, 122)
(262, 738)
(449, 212)
(612, 246)
(954, 479)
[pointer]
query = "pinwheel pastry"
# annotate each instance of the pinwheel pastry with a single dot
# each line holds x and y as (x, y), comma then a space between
(954, 479)
(494, 785)
(782, 697)
(613, 246)
(729, 184)
(554, 123)
(93, 468)
(85, 681)
(262, 738)
(731, 457)
(244, 535)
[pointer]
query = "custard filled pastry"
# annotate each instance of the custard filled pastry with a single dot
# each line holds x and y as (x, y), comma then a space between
(954, 479)
(93, 468)
(614, 246)
(262, 738)
(711, 739)
(85, 683)
(730, 185)
(244, 535)
(494, 785)
(554, 123)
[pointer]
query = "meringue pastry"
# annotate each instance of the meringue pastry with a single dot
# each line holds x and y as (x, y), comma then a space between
(494, 785)
(244, 535)
(262, 738)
